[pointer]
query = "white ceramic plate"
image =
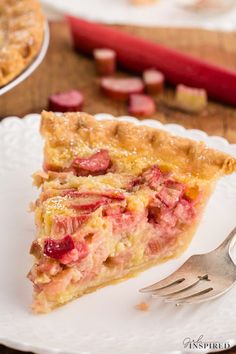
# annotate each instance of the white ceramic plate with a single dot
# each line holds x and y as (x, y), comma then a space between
(32, 67)
(104, 322)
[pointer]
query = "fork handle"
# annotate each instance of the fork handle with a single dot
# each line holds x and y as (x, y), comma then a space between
(229, 242)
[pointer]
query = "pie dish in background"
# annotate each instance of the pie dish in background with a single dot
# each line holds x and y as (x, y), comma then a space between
(116, 199)
(22, 28)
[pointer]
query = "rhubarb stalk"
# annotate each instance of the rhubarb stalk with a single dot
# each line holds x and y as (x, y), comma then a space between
(137, 54)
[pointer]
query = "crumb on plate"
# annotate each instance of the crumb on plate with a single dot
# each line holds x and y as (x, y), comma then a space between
(142, 306)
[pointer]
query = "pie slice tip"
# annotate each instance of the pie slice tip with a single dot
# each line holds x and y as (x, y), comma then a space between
(115, 199)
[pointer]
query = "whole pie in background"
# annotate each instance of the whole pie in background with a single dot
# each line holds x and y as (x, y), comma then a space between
(21, 36)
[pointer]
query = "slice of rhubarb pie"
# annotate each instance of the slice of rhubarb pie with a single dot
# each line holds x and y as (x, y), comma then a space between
(116, 198)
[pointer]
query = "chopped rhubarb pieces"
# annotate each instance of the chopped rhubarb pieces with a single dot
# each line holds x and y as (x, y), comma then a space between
(58, 248)
(89, 204)
(169, 196)
(70, 101)
(105, 61)
(111, 210)
(133, 184)
(153, 81)
(137, 54)
(111, 194)
(171, 211)
(153, 247)
(153, 177)
(164, 218)
(98, 163)
(64, 225)
(91, 201)
(141, 105)
(190, 99)
(76, 254)
(185, 210)
(122, 221)
(121, 89)
(170, 183)
(82, 249)
(171, 193)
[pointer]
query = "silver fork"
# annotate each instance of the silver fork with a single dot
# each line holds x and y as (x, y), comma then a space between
(202, 277)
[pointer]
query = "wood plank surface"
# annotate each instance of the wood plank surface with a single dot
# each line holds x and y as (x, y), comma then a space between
(64, 69)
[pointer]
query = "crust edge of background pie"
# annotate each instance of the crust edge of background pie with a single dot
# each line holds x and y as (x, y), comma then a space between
(17, 54)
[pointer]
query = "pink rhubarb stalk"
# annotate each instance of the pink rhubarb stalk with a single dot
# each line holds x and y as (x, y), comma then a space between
(137, 54)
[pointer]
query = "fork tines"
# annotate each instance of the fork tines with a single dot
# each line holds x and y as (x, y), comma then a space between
(182, 289)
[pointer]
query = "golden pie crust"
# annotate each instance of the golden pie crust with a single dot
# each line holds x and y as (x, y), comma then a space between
(21, 36)
(73, 134)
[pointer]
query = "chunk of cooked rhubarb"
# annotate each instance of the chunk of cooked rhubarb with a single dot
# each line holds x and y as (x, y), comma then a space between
(97, 163)
(168, 210)
(66, 250)
(89, 203)
(121, 89)
(171, 193)
(122, 220)
(79, 252)
(105, 60)
(69, 101)
(58, 248)
(153, 81)
(190, 99)
(67, 224)
(141, 105)
(111, 194)
(152, 177)
(185, 210)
